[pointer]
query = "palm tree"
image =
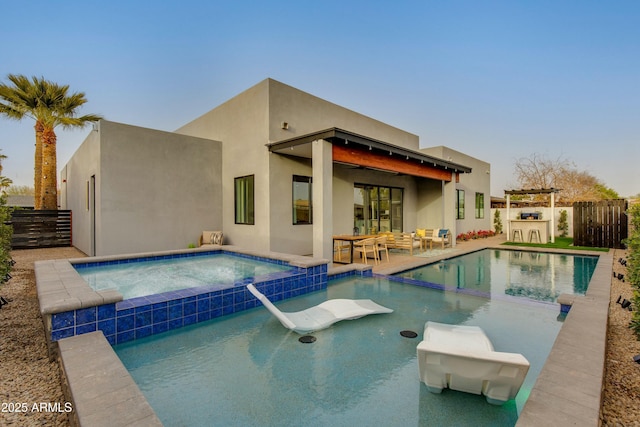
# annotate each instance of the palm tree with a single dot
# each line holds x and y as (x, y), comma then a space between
(50, 105)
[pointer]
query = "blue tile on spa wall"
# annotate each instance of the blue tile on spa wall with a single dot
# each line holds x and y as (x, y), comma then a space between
(108, 327)
(106, 311)
(62, 333)
(62, 320)
(86, 315)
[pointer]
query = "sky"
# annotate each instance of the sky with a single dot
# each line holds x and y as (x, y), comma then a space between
(497, 80)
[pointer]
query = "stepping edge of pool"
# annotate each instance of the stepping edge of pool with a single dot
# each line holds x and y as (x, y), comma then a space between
(568, 390)
(102, 392)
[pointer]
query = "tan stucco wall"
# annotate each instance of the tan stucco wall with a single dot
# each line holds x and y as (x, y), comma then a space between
(252, 119)
(155, 190)
(74, 183)
(478, 181)
(241, 124)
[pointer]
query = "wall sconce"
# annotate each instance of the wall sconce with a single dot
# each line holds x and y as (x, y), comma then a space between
(284, 125)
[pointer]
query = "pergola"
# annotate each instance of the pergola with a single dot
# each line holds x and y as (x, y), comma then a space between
(551, 191)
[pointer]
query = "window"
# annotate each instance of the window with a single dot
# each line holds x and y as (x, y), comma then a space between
(302, 208)
(479, 205)
(377, 209)
(460, 204)
(244, 200)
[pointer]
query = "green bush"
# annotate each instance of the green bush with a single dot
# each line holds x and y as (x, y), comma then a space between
(563, 224)
(497, 222)
(6, 232)
(633, 265)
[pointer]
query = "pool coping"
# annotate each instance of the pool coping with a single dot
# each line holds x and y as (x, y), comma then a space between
(60, 288)
(568, 390)
(102, 388)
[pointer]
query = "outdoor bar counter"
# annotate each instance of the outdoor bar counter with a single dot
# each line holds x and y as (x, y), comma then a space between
(527, 225)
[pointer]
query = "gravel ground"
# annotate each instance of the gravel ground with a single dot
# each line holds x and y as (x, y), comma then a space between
(621, 400)
(29, 377)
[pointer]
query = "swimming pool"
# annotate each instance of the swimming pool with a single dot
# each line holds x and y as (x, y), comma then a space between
(153, 276)
(246, 369)
(539, 276)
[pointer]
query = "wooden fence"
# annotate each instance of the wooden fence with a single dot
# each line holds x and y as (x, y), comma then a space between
(602, 224)
(41, 228)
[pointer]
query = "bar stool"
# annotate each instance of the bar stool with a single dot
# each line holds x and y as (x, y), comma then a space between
(534, 233)
(517, 233)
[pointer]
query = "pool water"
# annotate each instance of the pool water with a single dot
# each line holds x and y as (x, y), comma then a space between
(136, 279)
(248, 370)
(499, 273)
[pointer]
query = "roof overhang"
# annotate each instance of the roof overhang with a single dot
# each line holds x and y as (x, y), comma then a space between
(301, 146)
(533, 191)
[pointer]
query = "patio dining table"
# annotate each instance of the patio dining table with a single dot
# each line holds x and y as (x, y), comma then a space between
(351, 239)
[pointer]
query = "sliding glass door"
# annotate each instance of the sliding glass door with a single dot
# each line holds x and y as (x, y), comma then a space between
(377, 209)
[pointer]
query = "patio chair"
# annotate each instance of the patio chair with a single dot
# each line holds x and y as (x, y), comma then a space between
(339, 247)
(405, 241)
(366, 247)
(441, 236)
(381, 245)
(322, 315)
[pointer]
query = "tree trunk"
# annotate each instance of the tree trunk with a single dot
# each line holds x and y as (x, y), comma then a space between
(49, 182)
(37, 173)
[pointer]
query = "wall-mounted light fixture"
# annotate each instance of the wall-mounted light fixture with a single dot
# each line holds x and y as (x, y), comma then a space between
(284, 125)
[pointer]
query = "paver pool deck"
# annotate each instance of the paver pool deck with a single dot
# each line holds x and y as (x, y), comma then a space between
(568, 390)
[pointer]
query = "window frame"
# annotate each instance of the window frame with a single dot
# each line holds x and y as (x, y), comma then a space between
(479, 205)
(460, 204)
(247, 215)
(307, 180)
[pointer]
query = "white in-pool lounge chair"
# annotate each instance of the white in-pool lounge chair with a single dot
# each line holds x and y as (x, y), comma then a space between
(322, 315)
(462, 358)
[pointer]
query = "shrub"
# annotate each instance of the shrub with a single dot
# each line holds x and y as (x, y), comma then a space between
(633, 265)
(497, 222)
(6, 232)
(563, 224)
(472, 235)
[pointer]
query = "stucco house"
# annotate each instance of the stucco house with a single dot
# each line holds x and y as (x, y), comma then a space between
(274, 168)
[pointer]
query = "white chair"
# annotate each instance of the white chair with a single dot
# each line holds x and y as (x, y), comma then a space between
(462, 358)
(517, 234)
(534, 234)
(322, 315)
